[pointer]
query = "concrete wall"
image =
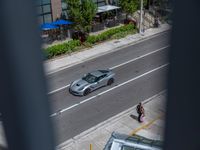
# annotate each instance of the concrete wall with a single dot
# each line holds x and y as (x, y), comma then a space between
(56, 9)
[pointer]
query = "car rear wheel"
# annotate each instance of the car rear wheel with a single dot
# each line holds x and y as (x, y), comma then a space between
(86, 92)
(110, 81)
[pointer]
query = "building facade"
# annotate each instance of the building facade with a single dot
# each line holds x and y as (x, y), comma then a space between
(50, 10)
(119, 141)
(44, 11)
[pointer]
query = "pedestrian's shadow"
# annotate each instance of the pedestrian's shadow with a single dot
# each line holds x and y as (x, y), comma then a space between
(134, 117)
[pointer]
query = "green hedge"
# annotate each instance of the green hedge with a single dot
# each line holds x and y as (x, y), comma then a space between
(62, 48)
(91, 39)
(120, 32)
(73, 45)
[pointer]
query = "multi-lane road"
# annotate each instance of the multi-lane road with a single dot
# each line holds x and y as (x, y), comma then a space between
(141, 72)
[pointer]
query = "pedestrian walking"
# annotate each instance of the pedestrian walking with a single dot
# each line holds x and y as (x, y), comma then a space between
(140, 111)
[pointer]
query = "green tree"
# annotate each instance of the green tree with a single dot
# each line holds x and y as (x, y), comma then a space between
(73, 12)
(81, 13)
(88, 11)
(131, 6)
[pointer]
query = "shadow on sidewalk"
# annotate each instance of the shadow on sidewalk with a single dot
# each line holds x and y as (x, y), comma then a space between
(133, 117)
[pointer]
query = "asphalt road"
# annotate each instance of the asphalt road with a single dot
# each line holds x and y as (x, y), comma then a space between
(140, 69)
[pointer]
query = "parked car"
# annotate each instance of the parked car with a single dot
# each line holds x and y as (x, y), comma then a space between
(91, 81)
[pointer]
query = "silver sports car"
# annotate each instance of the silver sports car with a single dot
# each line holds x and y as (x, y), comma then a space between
(91, 82)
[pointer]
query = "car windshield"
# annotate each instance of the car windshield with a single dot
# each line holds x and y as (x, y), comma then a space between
(90, 78)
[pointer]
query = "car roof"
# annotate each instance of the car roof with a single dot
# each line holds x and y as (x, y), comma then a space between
(96, 73)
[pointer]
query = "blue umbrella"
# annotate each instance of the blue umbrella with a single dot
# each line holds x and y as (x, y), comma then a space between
(48, 26)
(62, 22)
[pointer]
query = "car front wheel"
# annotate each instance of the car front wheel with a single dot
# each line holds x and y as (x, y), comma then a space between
(110, 81)
(86, 92)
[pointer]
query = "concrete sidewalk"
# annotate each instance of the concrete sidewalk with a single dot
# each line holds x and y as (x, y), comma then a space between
(124, 123)
(65, 61)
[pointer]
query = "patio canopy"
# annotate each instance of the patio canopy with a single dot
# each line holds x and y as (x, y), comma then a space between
(62, 22)
(106, 8)
(48, 26)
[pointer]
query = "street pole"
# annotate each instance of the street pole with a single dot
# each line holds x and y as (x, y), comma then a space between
(141, 19)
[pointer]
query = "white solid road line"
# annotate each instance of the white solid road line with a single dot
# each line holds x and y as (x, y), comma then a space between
(59, 89)
(124, 83)
(139, 57)
(114, 67)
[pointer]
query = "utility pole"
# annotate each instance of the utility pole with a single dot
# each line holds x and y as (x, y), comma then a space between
(141, 13)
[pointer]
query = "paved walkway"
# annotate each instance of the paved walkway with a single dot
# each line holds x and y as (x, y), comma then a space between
(65, 61)
(124, 123)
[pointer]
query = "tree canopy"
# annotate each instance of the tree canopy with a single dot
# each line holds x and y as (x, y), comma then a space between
(81, 13)
(131, 6)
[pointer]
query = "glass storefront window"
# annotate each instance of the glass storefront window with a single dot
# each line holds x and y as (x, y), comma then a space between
(46, 1)
(47, 18)
(44, 11)
(46, 8)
